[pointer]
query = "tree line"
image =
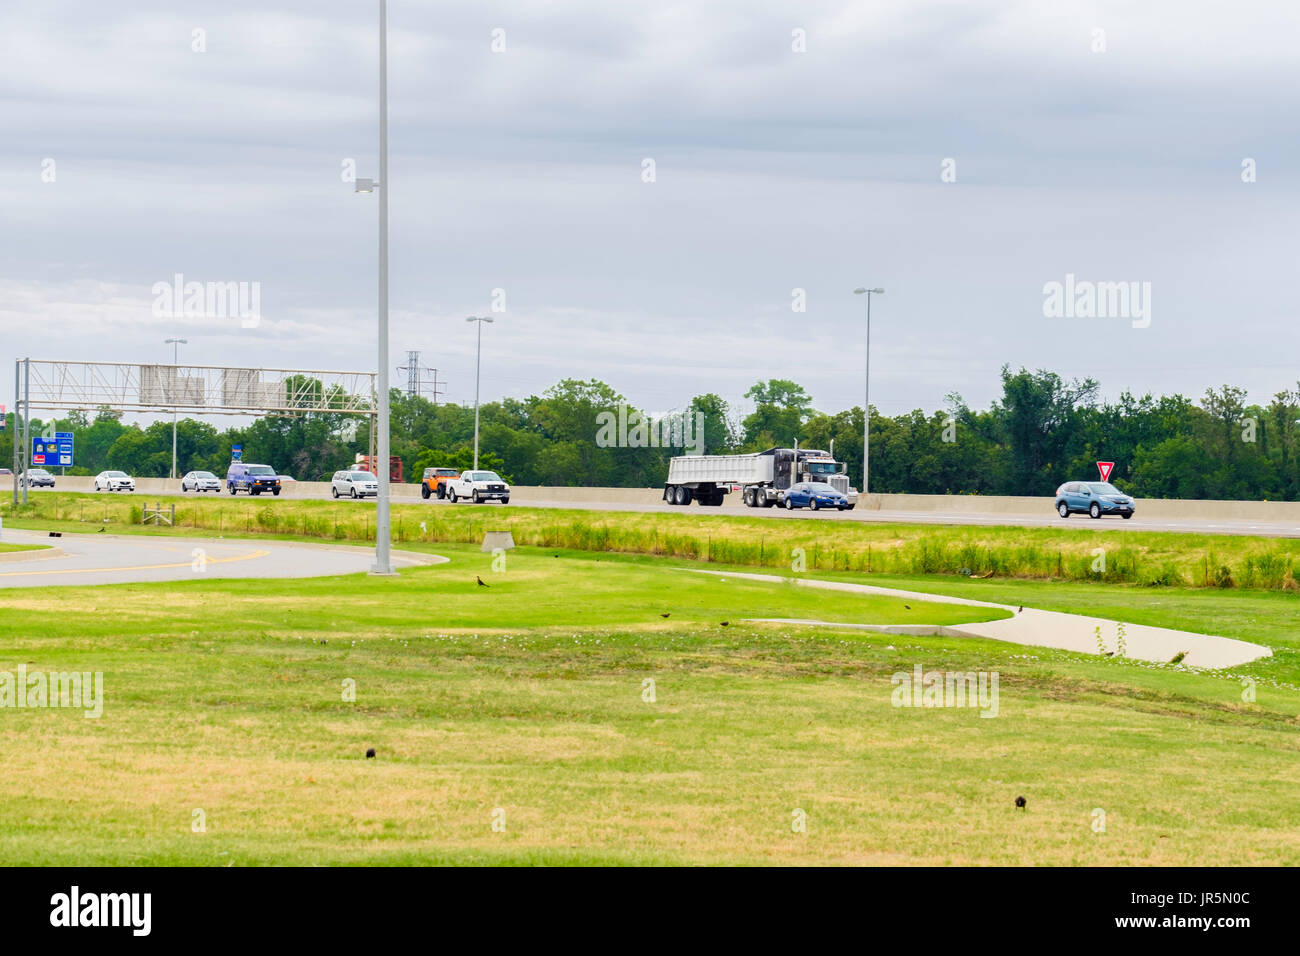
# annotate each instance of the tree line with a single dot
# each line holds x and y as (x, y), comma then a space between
(1044, 430)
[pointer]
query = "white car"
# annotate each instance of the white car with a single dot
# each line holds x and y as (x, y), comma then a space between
(200, 481)
(354, 484)
(114, 481)
(478, 486)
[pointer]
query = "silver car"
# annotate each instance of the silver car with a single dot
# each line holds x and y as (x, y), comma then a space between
(200, 481)
(354, 484)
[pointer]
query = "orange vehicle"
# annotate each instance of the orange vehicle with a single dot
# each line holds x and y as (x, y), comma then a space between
(435, 481)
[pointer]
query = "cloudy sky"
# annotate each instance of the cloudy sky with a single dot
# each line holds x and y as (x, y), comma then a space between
(1102, 139)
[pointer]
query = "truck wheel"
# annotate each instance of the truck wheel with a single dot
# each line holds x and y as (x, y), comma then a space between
(474, 496)
(424, 491)
(442, 492)
(451, 495)
(683, 495)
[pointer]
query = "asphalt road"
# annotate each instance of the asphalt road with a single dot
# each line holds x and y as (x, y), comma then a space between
(1051, 519)
(113, 559)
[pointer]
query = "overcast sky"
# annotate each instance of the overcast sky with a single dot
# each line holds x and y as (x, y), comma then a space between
(775, 170)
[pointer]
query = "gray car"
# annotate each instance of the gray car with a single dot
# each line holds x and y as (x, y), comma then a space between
(37, 478)
(1095, 498)
(200, 481)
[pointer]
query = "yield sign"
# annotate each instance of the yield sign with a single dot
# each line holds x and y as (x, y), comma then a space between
(1105, 468)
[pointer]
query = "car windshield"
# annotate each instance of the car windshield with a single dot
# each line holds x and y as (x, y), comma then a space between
(1103, 488)
(486, 476)
(821, 488)
(260, 470)
(115, 474)
(204, 474)
(363, 476)
(41, 472)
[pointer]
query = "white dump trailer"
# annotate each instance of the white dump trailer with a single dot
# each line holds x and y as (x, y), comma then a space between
(761, 478)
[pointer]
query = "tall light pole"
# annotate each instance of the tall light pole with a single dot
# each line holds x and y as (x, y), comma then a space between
(478, 365)
(176, 353)
(866, 404)
(383, 546)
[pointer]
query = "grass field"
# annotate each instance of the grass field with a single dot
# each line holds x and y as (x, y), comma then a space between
(524, 704)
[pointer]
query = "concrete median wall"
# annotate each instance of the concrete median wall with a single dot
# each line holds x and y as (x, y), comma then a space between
(1262, 511)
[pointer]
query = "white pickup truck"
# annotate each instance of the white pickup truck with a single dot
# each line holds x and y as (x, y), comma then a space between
(478, 486)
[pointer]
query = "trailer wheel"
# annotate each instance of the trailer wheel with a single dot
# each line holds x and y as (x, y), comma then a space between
(682, 495)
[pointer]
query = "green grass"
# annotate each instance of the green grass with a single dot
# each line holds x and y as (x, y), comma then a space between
(6, 548)
(527, 696)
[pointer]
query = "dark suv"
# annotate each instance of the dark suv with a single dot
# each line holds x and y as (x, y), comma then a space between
(254, 479)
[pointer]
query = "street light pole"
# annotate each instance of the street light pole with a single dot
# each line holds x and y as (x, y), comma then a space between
(866, 404)
(478, 365)
(382, 544)
(18, 396)
(176, 352)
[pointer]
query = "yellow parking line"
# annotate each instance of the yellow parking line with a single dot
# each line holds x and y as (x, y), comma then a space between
(138, 567)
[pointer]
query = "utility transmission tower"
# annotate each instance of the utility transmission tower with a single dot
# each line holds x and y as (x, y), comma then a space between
(420, 380)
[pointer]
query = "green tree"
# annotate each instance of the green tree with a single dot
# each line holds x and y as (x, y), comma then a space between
(781, 408)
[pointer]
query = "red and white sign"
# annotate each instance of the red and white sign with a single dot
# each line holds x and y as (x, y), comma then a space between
(1105, 468)
(38, 459)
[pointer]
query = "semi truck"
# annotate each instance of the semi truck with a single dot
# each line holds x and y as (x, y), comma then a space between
(762, 478)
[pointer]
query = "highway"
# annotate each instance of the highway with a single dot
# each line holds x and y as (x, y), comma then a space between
(644, 501)
(1266, 529)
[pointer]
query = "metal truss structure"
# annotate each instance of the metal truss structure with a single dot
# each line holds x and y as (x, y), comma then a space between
(188, 389)
(194, 389)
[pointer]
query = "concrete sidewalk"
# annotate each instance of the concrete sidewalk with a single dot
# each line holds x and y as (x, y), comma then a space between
(1069, 632)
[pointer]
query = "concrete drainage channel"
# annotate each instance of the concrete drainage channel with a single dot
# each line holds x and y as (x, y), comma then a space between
(1056, 629)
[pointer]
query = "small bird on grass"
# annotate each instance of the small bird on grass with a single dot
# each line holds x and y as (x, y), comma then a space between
(1020, 802)
(481, 582)
(100, 531)
(725, 623)
(665, 615)
(1020, 609)
(370, 752)
(907, 607)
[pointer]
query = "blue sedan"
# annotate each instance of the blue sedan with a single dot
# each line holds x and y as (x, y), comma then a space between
(1095, 498)
(814, 495)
